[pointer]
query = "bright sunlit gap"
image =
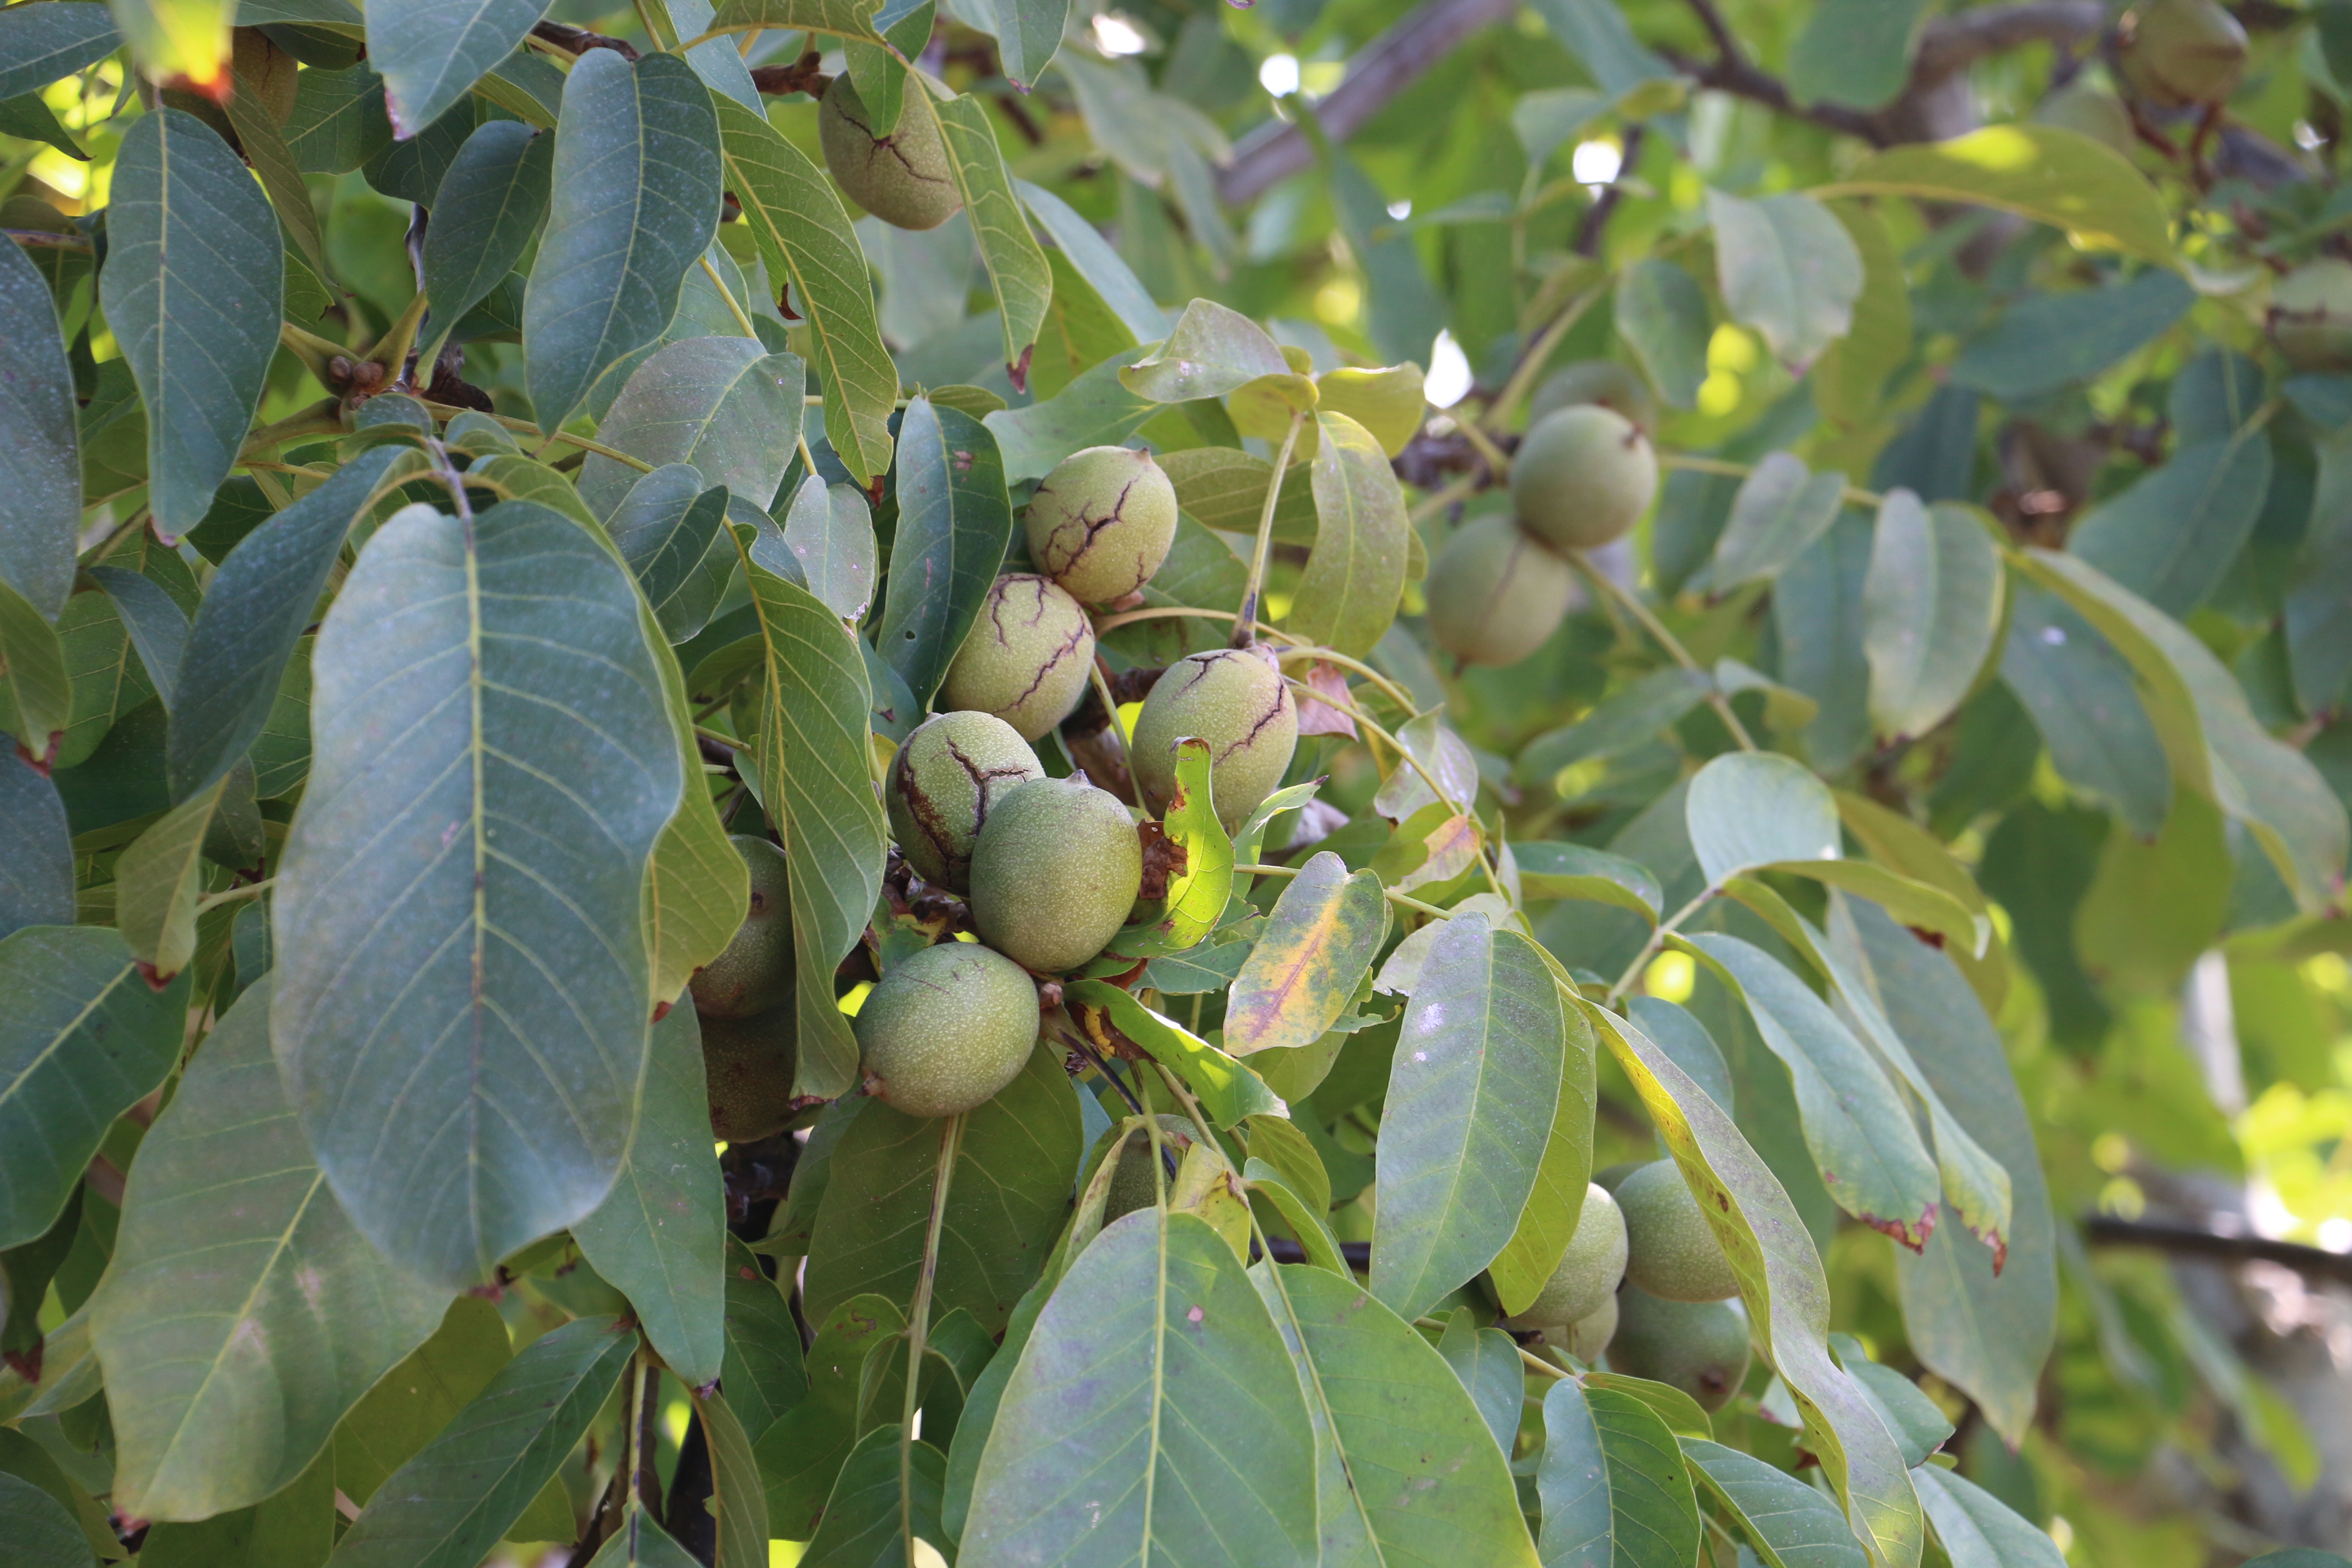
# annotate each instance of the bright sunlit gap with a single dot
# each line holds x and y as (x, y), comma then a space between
(1279, 75)
(1115, 35)
(1596, 162)
(1401, 210)
(1449, 373)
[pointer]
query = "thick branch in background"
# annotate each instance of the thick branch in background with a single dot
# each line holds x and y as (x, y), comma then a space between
(2196, 1241)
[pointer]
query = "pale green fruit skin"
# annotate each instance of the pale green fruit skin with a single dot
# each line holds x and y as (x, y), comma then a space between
(1601, 380)
(1670, 1251)
(1133, 1185)
(1699, 1347)
(2185, 51)
(946, 1028)
(1027, 658)
(1495, 595)
(1101, 523)
(1054, 873)
(1583, 477)
(902, 178)
(755, 971)
(2311, 315)
(1588, 1337)
(747, 1070)
(941, 785)
(1589, 1271)
(1234, 699)
(2096, 113)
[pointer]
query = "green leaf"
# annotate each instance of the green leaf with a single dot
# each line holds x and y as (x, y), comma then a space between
(660, 1238)
(431, 51)
(724, 404)
(1327, 927)
(1473, 1095)
(814, 762)
(668, 528)
(157, 882)
(448, 1506)
(636, 190)
(955, 524)
(2080, 693)
(1624, 722)
(463, 986)
(40, 44)
(1780, 510)
(861, 1524)
(1407, 1467)
(1854, 52)
(40, 455)
(841, 19)
(1788, 269)
(243, 1314)
(416, 1398)
(2170, 537)
(1612, 1482)
(1095, 260)
(1552, 870)
(803, 1452)
(1225, 488)
(738, 1495)
(1789, 1523)
(765, 1372)
(2051, 340)
(488, 206)
(1598, 33)
(1007, 1200)
(264, 593)
(1156, 1382)
(1662, 315)
(1556, 1204)
(1487, 1362)
(1977, 1530)
(640, 1542)
(803, 236)
(2041, 172)
(1348, 596)
(1785, 1295)
(1228, 1089)
(264, 146)
(41, 1534)
(1919, 904)
(1096, 409)
(830, 532)
(37, 859)
(1931, 605)
(1849, 377)
(1202, 887)
(37, 697)
(1746, 809)
(190, 287)
(84, 1038)
(1015, 262)
(1213, 351)
(158, 627)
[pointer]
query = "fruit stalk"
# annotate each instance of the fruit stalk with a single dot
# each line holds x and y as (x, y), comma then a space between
(1666, 639)
(919, 1323)
(1244, 623)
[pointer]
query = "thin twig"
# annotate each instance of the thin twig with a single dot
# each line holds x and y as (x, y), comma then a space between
(1531, 362)
(525, 427)
(1256, 584)
(1692, 462)
(1666, 640)
(742, 317)
(919, 1324)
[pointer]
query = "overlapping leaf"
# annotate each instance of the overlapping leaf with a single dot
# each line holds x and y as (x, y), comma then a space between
(40, 458)
(955, 524)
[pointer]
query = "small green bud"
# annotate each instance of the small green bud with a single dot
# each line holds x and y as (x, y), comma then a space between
(1495, 594)
(902, 178)
(1234, 699)
(940, 785)
(1027, 658)
(1101, 523)
(1054, 873)
(946, 1028)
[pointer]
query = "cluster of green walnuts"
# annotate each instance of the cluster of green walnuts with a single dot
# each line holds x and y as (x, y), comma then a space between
(1048, 869)
(1583, 476)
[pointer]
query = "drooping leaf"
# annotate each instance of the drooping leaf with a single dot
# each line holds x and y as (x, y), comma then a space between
(1930, 606)
(861, 1519)
(158, 880)
(1977, 1530)
(40, 457)
(955, 524)
(463, 989)
(1848, 379)
(636, 199)
(2080, 693)
(1327, 927)
(485, 212)
(1780, 508)
(1016, 264)
(430, 51)
(812, 759)
(2047, 342)
(1788, 269)
(1746, 809)
(1348, 596)
(1556, 1202)
(1228, 1089)
(641, 1542)
(830, 532)
(41, 1534)
(2044, 172)
(448, 1506)
(1095, 259)
(83, 1040)
(2170, 537)
(39, 44)
(1472, 1092)
(193, 272)
(803, 1452)
(725, 405)
(1487, 1360)
(1155, 1374)
(1788, 1523)
(243, 1314)
(670, 531)
(157, 625)
(1612, 1482)
(738, 1494)
(660, 1237)
(1661, 313)
(37, 859)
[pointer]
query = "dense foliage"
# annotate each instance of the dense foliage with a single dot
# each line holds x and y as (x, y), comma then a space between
(1626, 949)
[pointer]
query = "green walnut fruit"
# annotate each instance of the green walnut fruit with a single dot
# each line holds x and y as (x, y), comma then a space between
(1101, 523)
(1595, 381)
(1582, 477)
(1133, 1185)
(2179, 52)
(946, 1028)
(1699, 1347)
(941, 785)
(902, 178)
(1670, 1250)
(755, 973)
(1587, 1337)
(1054, 873)
(1495, 595)
(2311, 315)
(1234, 699)
(1589, 1271)
(1027, 658)
(747, 1070)
(2094, 111)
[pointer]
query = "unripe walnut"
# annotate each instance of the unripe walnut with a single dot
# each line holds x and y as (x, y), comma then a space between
(1588, 1273)
(1027, 658)
(1582, 477)
(1101, 523)
(1495, 594)
(1054, 873)
(747, 1070)
(946, 1028)
(943, 780)
(2179, 52)
(1670, 1250)
(2311, 315)
(1699, 1347)
(755, 971)
(1616, 387)
(1235, 700)
(902, 178)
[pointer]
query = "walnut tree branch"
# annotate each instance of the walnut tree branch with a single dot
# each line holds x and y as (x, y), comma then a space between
(2313, 1262)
